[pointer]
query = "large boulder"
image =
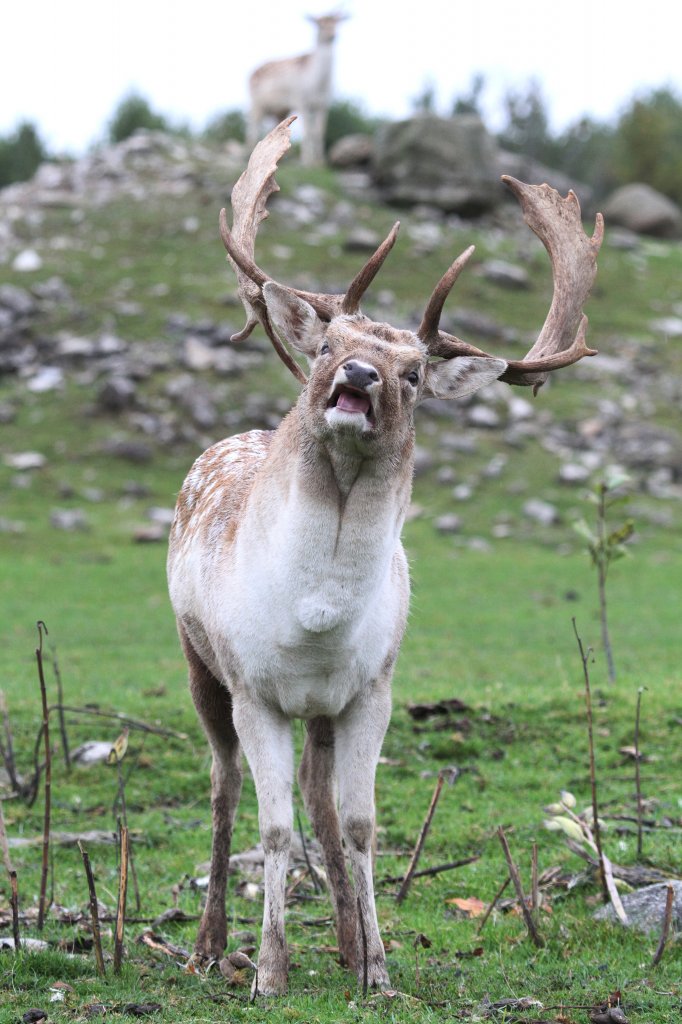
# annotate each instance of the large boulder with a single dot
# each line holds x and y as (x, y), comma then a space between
(447, 163)
(525, 168)
(641, 208)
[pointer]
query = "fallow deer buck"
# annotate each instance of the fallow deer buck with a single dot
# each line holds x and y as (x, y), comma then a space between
(302, 84)
(287, 574)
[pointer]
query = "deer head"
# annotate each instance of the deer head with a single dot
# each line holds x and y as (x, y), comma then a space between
(446, 366)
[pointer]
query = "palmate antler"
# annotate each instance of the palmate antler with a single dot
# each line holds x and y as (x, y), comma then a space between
(555, 220)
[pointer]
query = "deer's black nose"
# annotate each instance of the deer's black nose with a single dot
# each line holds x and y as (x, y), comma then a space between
(360, 375)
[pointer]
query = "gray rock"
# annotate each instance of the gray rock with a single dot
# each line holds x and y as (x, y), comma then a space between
(507, 275)
(69, 519)
(48, 378)
(354, 150)
(25, 460)
(361, 239)
(197, 355)
(117, 393)
(572, 473)
(73, 347)
(27, 261)
(525, 168)
(11, 525)
(17, 300)
(541, 511)
(642, 209)
(483, 416)
(645, 907)
(447, 163)
(449, 523)
(670, 326)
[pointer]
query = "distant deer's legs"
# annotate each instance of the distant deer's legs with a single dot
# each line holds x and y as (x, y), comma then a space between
(359, 734)
(316, 778)
(312, 146)
(214, 706)
(265, 736)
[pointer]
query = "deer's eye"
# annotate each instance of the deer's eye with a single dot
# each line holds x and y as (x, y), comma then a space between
(413, 378)
(324, 349)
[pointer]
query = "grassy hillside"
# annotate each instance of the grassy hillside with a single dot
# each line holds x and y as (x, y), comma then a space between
(490, 624)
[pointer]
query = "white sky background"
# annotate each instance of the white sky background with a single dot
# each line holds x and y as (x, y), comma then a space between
(66, 64)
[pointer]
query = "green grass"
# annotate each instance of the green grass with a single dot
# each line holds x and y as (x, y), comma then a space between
(493, 628)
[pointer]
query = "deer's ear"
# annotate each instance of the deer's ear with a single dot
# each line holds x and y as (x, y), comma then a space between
(456, 378)
(294, 319)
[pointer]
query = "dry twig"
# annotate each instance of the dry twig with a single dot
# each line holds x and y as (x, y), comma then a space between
(534, 889)
(7, 747)
(437, 869)
(414, 860)
(493, 904)
(60, 708)
(122, 894)
(536, 938)
(584, 656)
(665, 928)
(638, 784)
(48, 778)
(4, 845)
(15, 909)
(94, 912)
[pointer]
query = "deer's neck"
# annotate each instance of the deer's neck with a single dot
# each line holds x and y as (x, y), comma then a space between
(333, 525)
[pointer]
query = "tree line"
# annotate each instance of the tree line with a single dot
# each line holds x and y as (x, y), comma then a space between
(643, 143)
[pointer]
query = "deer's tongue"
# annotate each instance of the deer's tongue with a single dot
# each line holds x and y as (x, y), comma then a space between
(349, 401)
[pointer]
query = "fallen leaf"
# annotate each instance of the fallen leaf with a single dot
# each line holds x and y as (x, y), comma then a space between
(472, 906)
(118, 751)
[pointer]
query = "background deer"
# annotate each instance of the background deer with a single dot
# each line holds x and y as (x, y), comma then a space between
(303, 84)
(286, 570)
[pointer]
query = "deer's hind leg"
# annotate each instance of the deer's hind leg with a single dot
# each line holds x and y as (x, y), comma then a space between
(214, 707)
(316, 779)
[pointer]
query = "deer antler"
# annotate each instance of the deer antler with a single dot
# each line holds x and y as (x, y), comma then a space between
(555, 220)
(249, 199)
(558, 225)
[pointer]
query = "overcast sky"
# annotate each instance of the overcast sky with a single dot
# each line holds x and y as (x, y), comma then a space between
(67, 63)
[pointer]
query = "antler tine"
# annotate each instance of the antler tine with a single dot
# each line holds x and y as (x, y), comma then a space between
(428, 329)
(364, 278)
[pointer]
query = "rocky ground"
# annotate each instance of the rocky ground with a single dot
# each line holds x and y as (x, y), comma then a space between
(184, 385)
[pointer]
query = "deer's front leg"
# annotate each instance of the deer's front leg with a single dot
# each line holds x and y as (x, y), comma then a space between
(359, 735)
(265, 737)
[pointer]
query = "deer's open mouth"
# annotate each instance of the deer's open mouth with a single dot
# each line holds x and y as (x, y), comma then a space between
(351, 400)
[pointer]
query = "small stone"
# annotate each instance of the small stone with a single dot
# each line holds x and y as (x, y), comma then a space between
(161, 516)
(69, 519)
(153, 534)
(670, 326)
(462, 492)
(27, 261)
(197, 355)
(483, 416)
(17, 300)
(75, 348)
(362, 240)
(11, 525)
(572, 473)
(48, 378)
(507, 275)
(449, 523)
(117, 393)
(25, 460)
(541, 511)
(520, 408)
